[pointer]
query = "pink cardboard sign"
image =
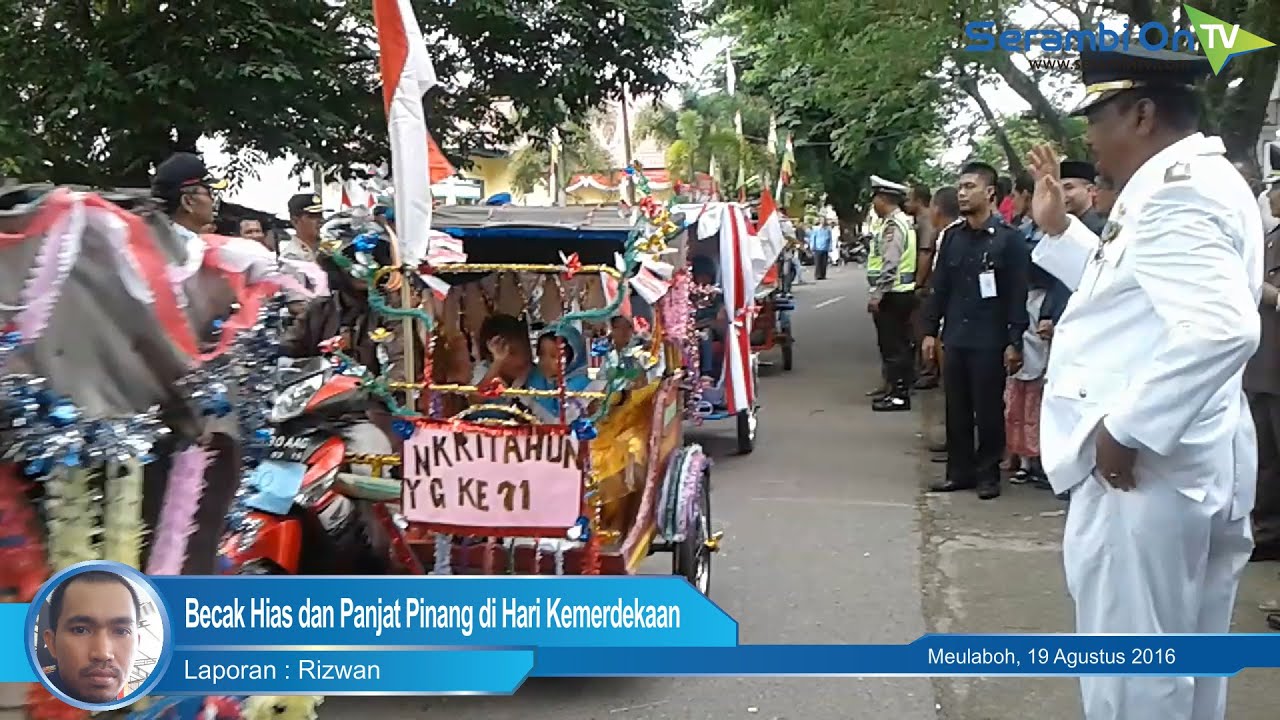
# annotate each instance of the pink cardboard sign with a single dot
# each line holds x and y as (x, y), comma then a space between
(480, 480)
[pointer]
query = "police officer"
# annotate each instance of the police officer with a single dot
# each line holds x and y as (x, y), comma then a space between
(980, 290)
(1144, 420)
(891, 273)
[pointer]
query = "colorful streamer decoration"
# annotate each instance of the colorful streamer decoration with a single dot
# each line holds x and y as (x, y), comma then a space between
(177, 514)
(72, 511)
(123, 530)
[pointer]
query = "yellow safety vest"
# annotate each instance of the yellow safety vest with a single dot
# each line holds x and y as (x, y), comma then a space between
(906, 275)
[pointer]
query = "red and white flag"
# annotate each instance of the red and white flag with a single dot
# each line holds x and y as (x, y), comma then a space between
(407, 74)
(769, 239)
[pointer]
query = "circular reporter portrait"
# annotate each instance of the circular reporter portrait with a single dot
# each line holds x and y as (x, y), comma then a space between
(99, 635)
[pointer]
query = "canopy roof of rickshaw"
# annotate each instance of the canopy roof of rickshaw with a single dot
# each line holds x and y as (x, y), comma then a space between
(515, 234)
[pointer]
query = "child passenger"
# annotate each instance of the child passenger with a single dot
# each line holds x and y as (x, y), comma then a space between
(546, 375)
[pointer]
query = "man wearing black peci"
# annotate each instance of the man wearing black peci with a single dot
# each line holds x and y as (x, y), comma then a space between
(980, 289)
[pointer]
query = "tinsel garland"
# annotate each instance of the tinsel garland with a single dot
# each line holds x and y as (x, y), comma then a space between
(42, 429)
(591, 556)
(291, 707)
(670, 490)
(72, 508)
(444, 555)
(122, 527)
(177, 515)
(22, 558)
(689, 499)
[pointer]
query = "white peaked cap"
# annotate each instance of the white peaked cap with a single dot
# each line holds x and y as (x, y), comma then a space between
(879, 184)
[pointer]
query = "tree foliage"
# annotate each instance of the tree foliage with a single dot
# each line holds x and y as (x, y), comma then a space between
(101, 89)
(581, 150)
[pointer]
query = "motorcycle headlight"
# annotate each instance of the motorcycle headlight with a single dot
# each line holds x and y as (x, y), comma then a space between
(293, 399)
(310, 494)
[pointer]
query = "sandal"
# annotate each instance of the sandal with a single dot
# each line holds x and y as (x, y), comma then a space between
(1021, 477)
(1273, 621)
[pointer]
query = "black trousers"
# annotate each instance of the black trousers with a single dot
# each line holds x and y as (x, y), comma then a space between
(820, 260)
(1266, 511)
(893, 332)
(973, 382)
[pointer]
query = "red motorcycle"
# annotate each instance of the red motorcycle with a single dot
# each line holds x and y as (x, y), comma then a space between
(311, 512)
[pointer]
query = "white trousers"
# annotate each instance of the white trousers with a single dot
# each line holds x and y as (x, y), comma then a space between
(1153, 561)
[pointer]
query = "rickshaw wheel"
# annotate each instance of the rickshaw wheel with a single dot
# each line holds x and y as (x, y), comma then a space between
(692, 558)
(786, 354)
(746, 431)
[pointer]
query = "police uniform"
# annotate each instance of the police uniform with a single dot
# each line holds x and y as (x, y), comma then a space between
(891, 275)
(1152, 347)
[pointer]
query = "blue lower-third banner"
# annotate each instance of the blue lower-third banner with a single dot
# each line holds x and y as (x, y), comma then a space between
(935, 656)
(330, 672)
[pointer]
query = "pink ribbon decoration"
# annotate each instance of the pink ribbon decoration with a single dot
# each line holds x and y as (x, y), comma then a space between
(178, 513)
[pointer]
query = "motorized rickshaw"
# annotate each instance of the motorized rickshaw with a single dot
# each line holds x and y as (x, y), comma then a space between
(549, 479)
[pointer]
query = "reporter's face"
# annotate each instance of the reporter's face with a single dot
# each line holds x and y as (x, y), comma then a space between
(95, 640)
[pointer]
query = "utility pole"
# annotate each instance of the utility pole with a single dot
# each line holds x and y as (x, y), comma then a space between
(626, 148)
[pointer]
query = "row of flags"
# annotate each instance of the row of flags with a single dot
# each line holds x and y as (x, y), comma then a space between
(788, 160)
(417, 162)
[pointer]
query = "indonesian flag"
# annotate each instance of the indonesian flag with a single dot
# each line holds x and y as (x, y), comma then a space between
(739, 299)
(770, 240)
(407, 74)
(788, 161)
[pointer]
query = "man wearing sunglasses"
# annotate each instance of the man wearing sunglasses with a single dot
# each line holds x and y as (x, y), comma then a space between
(186, 188)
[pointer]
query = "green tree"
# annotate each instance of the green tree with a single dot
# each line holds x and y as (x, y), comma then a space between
(581, 150)
(853, 112)
(99, 90)
(1025, 132)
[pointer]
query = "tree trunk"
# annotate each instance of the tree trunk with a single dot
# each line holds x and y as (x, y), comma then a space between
(1238, 114)
(1029, 90)
(970, 86)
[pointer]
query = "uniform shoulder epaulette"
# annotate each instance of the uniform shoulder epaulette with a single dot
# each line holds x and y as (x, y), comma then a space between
(1177, 172)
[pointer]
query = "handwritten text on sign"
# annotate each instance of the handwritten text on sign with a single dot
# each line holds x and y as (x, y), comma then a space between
(476, 480)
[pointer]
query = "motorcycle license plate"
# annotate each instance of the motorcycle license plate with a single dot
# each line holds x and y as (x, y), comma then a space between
(291, 449)
(276, 484)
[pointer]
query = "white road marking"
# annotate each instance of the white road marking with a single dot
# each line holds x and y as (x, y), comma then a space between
(825, 303)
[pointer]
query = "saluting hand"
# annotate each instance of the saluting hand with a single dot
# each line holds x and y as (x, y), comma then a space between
(1048, 205)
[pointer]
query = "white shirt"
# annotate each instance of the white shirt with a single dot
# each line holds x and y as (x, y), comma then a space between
(1162, 322)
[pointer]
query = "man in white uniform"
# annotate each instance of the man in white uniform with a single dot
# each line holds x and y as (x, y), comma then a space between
(1144, 420)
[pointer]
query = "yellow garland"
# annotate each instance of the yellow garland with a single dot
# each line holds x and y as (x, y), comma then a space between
(458, 268)
(73, 518)
(277, 707)
(123, 529)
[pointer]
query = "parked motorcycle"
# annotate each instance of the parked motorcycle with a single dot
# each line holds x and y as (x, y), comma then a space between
(313, 513)
(855, 252)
